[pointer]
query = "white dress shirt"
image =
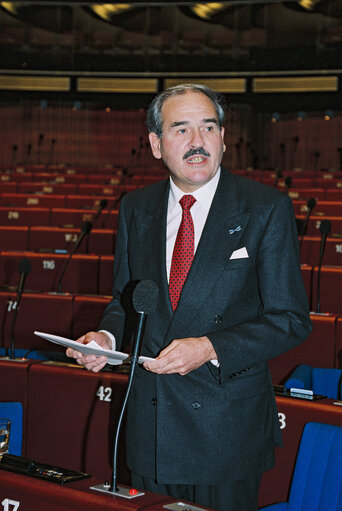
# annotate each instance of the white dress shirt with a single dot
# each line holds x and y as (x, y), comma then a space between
(199, 212)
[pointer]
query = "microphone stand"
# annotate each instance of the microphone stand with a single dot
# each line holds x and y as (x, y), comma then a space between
(134, 362)
(325, 228)
(145, 297)
(24, 270)
(86, 228)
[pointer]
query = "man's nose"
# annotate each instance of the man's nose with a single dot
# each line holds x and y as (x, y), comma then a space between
(197, 139)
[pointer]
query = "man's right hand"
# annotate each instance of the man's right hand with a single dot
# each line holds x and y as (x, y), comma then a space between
(91, 362)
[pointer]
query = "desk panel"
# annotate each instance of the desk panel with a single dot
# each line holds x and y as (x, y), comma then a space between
(14, 383)
(28, 494)
(293, 415)
(72, 418)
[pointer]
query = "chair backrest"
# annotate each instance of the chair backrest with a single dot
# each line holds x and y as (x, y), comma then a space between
(14, 412)
(327, 382)
(300, 378)
(317, 479)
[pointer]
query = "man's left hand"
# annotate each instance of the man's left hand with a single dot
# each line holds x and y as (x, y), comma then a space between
(182, 356)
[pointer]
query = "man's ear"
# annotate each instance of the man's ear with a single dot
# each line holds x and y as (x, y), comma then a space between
(222, 135)
(155, 145)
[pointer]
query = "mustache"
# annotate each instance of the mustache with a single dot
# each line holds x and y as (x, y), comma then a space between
(193, 152)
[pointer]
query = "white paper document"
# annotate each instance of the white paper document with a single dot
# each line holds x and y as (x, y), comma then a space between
(92, 348)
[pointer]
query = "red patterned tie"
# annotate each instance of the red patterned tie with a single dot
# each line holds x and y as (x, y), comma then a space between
(183, 252)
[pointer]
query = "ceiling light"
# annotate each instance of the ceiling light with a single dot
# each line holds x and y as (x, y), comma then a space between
(10, 7)
(205, 11)
(107, 11)
(309, 5)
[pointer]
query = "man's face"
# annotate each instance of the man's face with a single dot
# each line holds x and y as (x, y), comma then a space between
(192, 142)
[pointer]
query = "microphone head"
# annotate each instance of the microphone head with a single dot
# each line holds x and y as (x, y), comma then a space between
(103, 203)
(311, 203)
(325, 227)
(288, 180)
(87, 227)
(24, 266)
(145, 296)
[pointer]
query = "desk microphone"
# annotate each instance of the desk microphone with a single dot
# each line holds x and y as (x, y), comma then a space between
(115, 203)
(24, 269)
(288, 182)
(311, 203)
(85, 230)
(102, 205)
(144, 299)
(325, 229)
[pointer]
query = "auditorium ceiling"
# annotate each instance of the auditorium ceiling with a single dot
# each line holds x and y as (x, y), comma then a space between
(163, 37)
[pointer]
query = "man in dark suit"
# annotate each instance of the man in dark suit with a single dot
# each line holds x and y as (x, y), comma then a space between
(202, 422)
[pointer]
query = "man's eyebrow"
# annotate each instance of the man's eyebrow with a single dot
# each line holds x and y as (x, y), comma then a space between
(211, 120)
(178, 123)
(182, 123)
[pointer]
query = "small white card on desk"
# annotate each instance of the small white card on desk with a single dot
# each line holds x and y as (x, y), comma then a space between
(92, 348)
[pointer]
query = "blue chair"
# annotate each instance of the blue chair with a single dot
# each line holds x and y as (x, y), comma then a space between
(323, 381)
(14, 412)
(317, 478)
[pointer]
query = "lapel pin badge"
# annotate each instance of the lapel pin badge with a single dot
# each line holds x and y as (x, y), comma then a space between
(238, 228)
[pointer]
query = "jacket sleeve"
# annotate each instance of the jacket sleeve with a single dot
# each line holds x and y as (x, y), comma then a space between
(283, 320)
(115, 315)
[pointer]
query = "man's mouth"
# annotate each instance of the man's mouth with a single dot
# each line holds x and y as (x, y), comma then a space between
(196, 155)
(196, 159)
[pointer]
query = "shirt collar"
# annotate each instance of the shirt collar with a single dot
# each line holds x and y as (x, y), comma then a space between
(203, 195)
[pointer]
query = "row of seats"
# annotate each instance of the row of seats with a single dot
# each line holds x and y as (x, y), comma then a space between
(58, 217)
(14, 200)
(101, 186)
(56, 239)
(71, 314)
(68, 315)
(85, 273)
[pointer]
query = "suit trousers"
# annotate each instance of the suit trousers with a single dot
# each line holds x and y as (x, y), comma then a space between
(229, 496)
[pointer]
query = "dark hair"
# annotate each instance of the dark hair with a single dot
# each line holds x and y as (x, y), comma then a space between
(154, 112)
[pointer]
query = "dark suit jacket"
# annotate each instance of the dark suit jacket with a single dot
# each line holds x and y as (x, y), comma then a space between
(212, 423)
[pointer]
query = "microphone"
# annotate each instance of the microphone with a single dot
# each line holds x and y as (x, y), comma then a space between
(115, 203)
(325, 229)
(102, 205)
(144, 299)
(278, 174)
(311, 203)
(24, 269)
(288, 182)
(85, 230)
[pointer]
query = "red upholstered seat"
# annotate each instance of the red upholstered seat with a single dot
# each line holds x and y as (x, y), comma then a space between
(317, 350)
(330, 289)
(24, 216)
(32, 200)
(81, 275)
(106, 275)
(310, 251)
(87, 312)
(37, 311)
(14, 238)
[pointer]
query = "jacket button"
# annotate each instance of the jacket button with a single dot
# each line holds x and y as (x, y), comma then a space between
(218, 319)
(196, 405)
(154, 401)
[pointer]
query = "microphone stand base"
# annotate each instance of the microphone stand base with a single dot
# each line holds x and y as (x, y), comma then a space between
(126, 493)
(23, 359)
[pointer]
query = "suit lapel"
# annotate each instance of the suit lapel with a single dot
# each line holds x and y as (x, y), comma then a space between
(150, 223)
